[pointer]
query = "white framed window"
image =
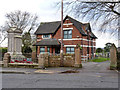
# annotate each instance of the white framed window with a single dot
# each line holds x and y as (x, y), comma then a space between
(70, 50)
(67, 34)
(42, 49)
(48, 50)
(46, 36)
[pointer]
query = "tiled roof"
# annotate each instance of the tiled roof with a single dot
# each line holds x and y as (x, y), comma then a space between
(52, 27)
(47, 27)
(77, 24)
(47, 42)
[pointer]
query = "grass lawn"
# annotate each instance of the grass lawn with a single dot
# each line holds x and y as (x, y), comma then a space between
(100, 59)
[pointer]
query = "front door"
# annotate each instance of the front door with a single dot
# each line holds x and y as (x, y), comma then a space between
(57, 50)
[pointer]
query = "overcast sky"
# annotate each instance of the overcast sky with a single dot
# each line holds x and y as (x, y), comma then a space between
(47, 12)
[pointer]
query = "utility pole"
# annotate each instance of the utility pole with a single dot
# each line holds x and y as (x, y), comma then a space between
(61, 52)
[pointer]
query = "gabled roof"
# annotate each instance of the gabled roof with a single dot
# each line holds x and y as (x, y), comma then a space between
(52, 27)
(87, 25)
(47, 27)
(77, 24)
(93, 36)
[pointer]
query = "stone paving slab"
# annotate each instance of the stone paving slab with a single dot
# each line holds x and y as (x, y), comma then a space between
(46, 71)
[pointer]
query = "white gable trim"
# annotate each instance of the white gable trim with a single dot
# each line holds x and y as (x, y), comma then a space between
(67, 28)
(68, 24)
(80, 45)
(69, 45)
(77, 39)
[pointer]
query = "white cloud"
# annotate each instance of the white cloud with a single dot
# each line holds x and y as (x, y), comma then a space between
(46, 10)
(42, 8)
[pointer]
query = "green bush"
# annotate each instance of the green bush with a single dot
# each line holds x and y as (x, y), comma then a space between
(118, 60)
(3, 51)
(26, 49)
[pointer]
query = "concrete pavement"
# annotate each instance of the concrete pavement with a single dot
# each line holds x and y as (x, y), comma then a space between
(87, 67)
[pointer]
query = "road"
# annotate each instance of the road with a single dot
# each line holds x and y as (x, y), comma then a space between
(92, 75)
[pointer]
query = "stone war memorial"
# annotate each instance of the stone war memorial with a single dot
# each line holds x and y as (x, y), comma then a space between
(14, 45)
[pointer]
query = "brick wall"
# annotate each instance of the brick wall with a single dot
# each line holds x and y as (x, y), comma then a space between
(54, 61)
(69, 60)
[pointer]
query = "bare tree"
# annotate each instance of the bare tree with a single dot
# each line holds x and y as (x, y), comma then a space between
(22, 20)
(3, 33)
(106, 14)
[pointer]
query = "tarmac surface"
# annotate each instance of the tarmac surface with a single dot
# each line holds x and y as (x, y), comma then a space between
(92, 75)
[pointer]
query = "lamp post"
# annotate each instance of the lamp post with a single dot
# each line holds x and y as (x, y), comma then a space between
(61, 52)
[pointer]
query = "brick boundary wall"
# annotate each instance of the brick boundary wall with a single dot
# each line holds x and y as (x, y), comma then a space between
(70, 60)
(54, 61)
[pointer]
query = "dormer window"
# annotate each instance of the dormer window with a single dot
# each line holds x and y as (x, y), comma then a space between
(46, 36)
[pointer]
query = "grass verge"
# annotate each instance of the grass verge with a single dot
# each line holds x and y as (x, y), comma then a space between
(100, 59)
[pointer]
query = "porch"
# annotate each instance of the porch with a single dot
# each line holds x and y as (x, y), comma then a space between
(51, 46)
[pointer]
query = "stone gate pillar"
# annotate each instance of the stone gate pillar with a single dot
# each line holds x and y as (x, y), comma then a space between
(113, 57)
(34, 56)
(77, 57)
(43, 60)
(6, 59)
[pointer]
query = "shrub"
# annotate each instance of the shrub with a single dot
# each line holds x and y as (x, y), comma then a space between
(26, 49)
(3, 51)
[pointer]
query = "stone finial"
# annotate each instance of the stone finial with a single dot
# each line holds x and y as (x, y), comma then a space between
(14, 30)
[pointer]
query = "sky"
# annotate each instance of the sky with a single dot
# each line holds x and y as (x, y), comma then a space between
(47, 12)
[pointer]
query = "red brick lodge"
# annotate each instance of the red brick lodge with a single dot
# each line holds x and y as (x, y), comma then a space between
(74, 32)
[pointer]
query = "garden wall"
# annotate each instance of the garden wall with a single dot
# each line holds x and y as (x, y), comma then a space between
(54, 61)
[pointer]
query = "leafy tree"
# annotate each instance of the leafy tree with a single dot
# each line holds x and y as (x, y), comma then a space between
(107, 47)
(27, 44)
(22, 20)
(26, 39)
(99, 50)
(3, 50)
(106, 14)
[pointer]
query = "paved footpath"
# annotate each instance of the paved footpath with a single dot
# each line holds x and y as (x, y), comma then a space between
(92, 75)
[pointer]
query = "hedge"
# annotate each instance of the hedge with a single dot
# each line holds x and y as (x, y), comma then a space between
(118, 60)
